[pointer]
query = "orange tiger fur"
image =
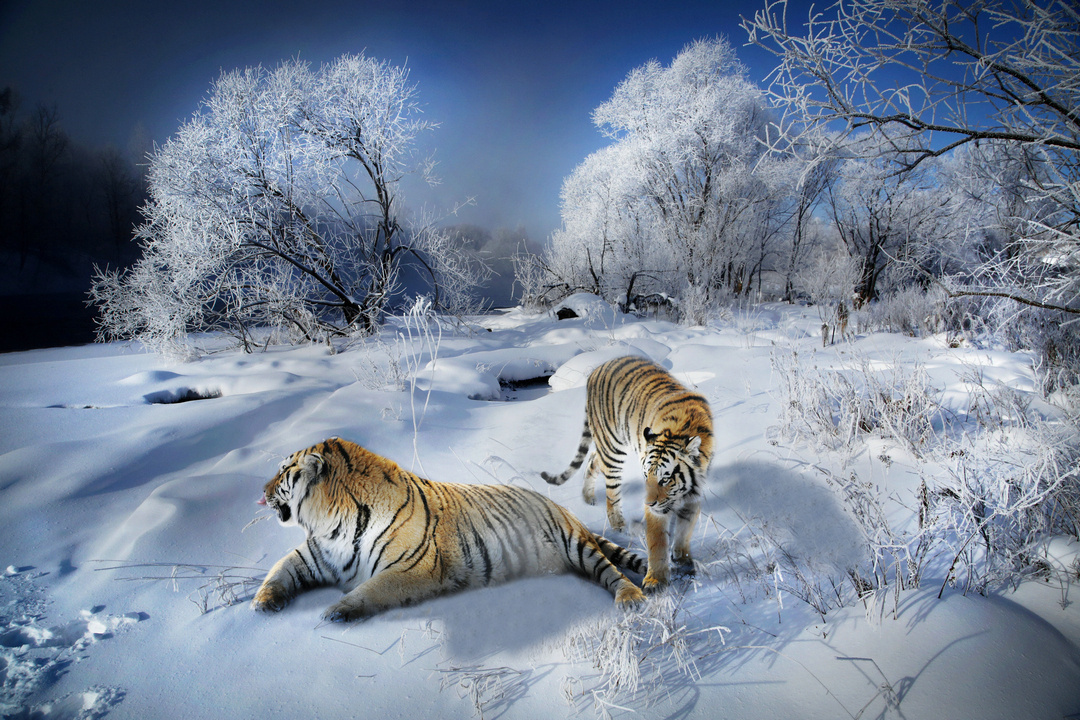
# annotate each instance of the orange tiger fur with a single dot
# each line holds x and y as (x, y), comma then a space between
(391, 538)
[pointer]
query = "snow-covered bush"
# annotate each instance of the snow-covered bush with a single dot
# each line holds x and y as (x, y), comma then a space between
(757, 560)
(1012, 474)
(1013, 484)
(1053, 336)
(530, 278)
(896, 557)
(637, 651)
(835, 408)
(911, 310)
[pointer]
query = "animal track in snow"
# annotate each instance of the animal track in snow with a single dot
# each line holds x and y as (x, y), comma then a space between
(35, 654)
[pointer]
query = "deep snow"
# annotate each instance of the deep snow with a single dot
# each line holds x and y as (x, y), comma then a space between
(126, 535)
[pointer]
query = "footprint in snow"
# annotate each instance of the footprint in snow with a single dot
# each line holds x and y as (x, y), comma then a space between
(34, 654)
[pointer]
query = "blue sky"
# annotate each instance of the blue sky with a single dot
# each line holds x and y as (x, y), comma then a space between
(512, 84)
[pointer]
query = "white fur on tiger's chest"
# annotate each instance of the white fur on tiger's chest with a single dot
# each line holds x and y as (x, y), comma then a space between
(356, 563)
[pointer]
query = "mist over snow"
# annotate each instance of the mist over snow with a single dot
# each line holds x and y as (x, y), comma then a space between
(132, 542)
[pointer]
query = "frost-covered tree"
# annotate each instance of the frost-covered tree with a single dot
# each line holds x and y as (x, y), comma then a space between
(696, 127)
(277, 205)
(880, 214)
(938, 75)
(676, 205)
(604, 246)
(812, 170)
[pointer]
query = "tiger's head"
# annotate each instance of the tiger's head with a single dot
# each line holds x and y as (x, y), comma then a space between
(293, 484)
(671, 464)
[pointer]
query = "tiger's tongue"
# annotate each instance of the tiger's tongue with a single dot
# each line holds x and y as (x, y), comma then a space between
(261, 501)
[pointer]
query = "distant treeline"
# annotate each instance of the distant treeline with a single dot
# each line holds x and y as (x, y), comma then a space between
(63, 206)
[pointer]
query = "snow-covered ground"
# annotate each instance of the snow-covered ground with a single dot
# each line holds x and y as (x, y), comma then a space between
(130, 551)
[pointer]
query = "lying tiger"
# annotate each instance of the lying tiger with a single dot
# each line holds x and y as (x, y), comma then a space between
(391, 538)
(634, 407)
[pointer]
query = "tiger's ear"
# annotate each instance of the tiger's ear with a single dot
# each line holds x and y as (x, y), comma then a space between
(649, 435)
(314, 466)
(693, 446)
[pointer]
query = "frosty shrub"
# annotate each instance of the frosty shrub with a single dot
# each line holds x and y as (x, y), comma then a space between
(409, 358)
(834, 408)
(695, 305)
(1053, 336)
(532, 278)
(911, 310)
(276, 209)
(1013, 484)
(645, 650)
(999, 479)
(756, 559)
(486, 688)
(383, 367)
(896, 558)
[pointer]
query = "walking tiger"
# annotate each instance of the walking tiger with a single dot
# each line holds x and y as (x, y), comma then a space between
(635, 407)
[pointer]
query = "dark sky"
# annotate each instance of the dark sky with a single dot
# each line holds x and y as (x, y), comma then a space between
(513, 84)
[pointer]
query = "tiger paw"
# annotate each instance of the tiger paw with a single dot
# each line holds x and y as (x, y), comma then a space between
(682, 556)
(269, 598)
(343, 612)
(629, 597)
(616, 521)
(685, 567)
(652, 584)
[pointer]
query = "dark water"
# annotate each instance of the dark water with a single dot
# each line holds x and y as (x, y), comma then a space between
(28, 322)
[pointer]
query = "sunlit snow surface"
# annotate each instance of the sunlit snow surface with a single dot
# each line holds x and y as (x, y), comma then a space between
(129, 556)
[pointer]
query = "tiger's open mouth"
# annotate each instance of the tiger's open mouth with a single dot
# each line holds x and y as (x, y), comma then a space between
(283, 512)
(282, 509)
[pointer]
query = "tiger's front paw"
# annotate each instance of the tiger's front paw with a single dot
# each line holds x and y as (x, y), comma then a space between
(653, 584)
(629, 597)
(270, 597)
(343, 612)
(616, 521)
